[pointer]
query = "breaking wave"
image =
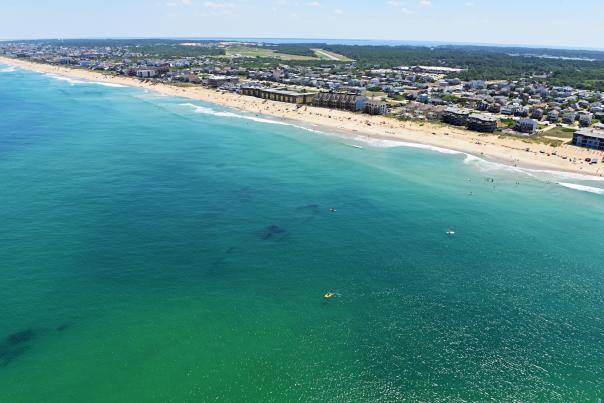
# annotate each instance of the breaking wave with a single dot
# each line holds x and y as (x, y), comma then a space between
(479, 163)
(582, 188)
(544, 174)
(74, 81)
(209, 111)
(383, 143)
(9, 69)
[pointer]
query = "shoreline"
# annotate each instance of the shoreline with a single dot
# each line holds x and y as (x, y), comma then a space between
(507, 151)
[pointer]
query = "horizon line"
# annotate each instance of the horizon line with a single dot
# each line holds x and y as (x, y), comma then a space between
(396, 42)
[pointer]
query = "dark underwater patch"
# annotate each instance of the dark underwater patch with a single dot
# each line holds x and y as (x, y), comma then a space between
(20, 337)
(64, 326)
(243, 194)
(8, 356)
(272, 231)
(224, 256)
(312, 208)
(14, 345)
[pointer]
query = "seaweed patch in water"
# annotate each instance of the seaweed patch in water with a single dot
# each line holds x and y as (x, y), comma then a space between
(14, 346)
(272, 231)
(244, 194)
(313, 208)
(20, 337)
(64, 326)
(224, 256)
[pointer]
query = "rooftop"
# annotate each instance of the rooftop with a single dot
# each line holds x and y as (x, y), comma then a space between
(591, 133)
(456, 110)
(483, 117)
(282, 91)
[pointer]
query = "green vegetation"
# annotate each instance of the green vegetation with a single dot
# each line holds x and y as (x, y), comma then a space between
(264, 52)
(507, 122)
(486, 63)
(375, 94)
(177, 51)
(536, 139)
(577, 68)
(293, 49)
(453, 98)
(327, 55)
(560, 132)
(290, 52)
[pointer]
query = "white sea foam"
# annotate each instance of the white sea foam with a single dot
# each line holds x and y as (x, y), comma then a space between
(484, 165)
(470, 159)
(543, 174)
(210, 111)
(112, 85)
(582, 188)
(74, 81)
(9, 69)
(382, 143)
(70, 80)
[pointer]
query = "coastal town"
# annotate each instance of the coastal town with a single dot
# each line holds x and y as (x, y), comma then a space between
(527, 108)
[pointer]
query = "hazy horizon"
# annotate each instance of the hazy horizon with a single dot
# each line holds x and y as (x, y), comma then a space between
(347, 41)
(515, 23)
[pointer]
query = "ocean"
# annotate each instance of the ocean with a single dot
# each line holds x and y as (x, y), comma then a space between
(160, 249)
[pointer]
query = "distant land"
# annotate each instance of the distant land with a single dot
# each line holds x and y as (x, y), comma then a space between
(334, 41)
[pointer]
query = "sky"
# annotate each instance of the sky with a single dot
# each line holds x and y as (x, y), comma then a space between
(575, 23)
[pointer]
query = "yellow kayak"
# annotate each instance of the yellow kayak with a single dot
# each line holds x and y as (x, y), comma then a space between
(328, 295)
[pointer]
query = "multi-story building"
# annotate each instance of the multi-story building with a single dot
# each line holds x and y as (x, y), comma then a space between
(495, 108)
(423, 98)
(537, 114)
(332, 100)
(482, 105)
(146, 73)
(589, 139)
(553, 116)
(585, 120)
(569, 117)
(219, 81)
(455, 116)
(279, 94)
(528, 126)
(482, 123)
(376, 107)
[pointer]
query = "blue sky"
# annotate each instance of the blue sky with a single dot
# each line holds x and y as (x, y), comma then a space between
(576, 23)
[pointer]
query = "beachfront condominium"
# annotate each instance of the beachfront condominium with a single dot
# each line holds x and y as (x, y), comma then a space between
(344, 101)
(279, 94)
(376, 106)
(528, 126)
(482, 123)
(589, 138)
(455, 116)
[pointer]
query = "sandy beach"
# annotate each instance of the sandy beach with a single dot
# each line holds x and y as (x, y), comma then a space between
(506, 150)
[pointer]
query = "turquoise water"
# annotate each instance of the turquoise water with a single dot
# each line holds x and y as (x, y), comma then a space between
(157, 251)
